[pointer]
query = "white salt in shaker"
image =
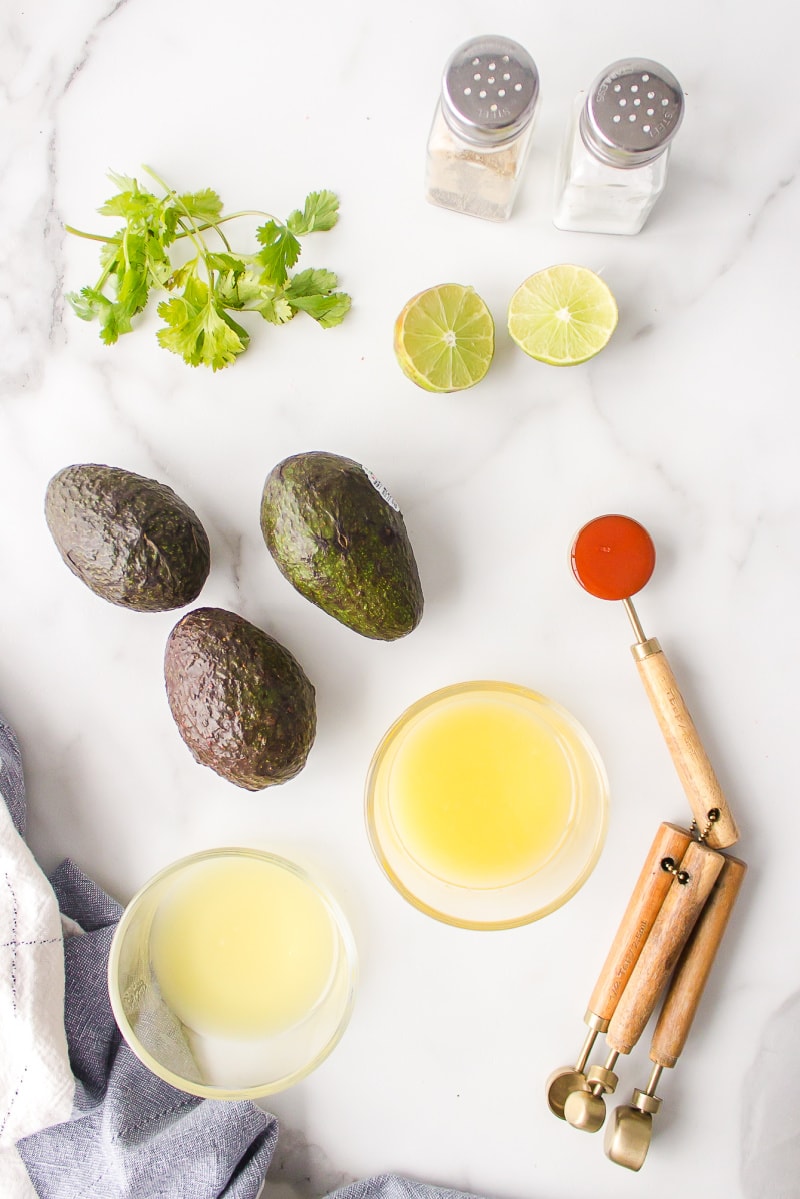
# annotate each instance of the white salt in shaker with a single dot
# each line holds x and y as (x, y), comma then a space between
(613, 164)
(482, 128)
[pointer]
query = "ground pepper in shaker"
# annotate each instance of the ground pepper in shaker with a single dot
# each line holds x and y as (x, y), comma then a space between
(613, 164)
(482, 126)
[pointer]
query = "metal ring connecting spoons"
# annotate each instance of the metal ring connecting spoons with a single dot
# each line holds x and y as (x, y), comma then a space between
(613, 557)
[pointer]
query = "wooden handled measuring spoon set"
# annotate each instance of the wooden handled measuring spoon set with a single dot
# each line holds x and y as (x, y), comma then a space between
(679, 909)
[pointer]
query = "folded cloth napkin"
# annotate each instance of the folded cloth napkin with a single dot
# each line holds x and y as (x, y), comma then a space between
(90, 1121)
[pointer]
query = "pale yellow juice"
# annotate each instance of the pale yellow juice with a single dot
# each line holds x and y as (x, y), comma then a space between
(242, 948)
(480, 790)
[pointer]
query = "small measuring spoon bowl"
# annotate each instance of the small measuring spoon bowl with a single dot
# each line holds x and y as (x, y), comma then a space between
(585, 1110)
(560, 1085)
(613, 557)
(627, 1138)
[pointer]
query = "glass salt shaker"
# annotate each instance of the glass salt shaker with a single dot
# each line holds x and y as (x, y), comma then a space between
(482, 127)
(613, 165)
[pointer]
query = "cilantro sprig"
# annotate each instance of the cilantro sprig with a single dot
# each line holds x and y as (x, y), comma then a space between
(163, 246)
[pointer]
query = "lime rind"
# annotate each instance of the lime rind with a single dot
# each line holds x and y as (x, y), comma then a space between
(563, 315)
(444, 338)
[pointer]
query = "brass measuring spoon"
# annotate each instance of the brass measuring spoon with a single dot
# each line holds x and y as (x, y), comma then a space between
(669, 845)
(628, 1135)
(689, 889)
(613, 558)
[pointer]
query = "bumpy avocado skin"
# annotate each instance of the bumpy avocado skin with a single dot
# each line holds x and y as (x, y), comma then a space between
(130, 539)
(241, 701)
(341, 545)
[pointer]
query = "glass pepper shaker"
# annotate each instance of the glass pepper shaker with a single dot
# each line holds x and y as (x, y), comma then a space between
(482, 127)
(613, 164)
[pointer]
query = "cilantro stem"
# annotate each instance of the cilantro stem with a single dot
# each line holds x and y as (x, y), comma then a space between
(233, 216)
(229, 216)
(109, 241)
(222, 236)
(161, 182)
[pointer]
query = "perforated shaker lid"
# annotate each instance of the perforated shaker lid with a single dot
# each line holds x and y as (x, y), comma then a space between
(490, 88)
(632, 112)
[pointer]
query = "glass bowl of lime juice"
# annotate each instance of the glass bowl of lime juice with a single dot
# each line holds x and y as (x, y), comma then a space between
(232, 973)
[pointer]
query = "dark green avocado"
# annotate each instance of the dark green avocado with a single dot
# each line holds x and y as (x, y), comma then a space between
(342, 544)
(130, 539)
(241, 701)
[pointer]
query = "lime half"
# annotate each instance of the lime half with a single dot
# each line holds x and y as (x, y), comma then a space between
(562, 315)
(444, 338)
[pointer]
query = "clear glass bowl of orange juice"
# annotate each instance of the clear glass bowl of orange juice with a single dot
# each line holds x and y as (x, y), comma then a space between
(486, 805)
(232, 974)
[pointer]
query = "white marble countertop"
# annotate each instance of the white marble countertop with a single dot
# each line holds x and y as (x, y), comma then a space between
(688, 421)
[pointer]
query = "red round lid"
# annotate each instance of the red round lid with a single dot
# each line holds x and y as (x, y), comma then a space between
(613, 557)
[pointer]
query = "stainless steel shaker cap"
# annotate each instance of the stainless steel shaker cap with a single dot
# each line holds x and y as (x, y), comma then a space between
(490, 88)
(632, 112)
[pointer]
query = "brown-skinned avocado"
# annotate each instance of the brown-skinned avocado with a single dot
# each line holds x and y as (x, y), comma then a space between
(130, 539)
(240, 699)
(342, 544)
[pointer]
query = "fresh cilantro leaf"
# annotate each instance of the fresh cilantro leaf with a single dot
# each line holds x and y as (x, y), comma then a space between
(312, 291)
(236, 286)
(87, 303)
(311, 282)
(321, 211)
(90, 304)
(134, 205)
(198, 330)
(281, 249)
(203, 206)
(226, 263)
(159, 263)
(114, 321)
(134, 283)
(276, 309)
(327, 310)
(170, 224)
(244, 292)
(123, 183)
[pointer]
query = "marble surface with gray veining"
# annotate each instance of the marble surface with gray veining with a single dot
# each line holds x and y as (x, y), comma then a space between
(687, 421)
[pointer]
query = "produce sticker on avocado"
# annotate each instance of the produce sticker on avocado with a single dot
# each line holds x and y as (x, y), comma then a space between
(382, 491)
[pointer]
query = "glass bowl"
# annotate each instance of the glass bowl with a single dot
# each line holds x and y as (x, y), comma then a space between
(486, 805)
(232, 974)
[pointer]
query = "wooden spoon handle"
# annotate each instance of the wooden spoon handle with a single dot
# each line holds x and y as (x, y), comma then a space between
(694, 769)
(694, 966)
(673, 924)
(643, 906)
